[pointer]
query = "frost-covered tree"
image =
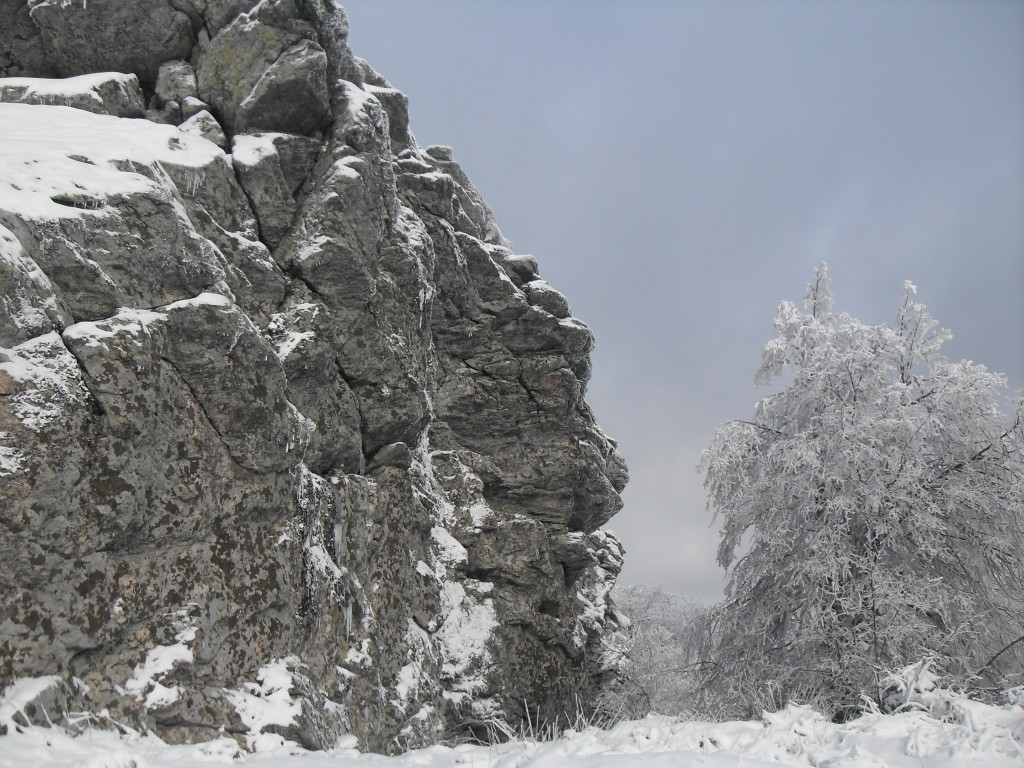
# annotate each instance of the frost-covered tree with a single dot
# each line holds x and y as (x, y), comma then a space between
(658, 651)
(871, 512)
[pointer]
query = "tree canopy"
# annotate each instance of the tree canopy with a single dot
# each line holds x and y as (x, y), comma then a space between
(872, 513)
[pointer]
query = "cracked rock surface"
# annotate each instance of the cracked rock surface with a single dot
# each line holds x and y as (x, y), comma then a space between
(292, 443)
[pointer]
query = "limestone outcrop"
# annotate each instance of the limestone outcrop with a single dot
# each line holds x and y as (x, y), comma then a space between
(292, 443)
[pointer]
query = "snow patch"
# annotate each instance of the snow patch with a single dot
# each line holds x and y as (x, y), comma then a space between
(10, 457)
(61, 162)
(449, 550)
(291, 341)
(16, 304)
(322, 562)
(267, 702)
(462, 638)
(206, 299)
(344, 167)
(20, 693)
(407, 683)
(132, 321)
(356, 100)
(52, 385)
(145, 683)
(480, 513)
(250, 149)
(311, 246)
(285, 329)
(60, 91)
(359, 657)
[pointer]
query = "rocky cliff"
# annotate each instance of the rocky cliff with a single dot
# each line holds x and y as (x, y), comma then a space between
(292, 443)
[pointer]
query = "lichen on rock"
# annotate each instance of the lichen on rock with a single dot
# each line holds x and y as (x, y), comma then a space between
(293, 444)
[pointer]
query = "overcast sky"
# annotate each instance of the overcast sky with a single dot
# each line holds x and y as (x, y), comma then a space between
(680, 167)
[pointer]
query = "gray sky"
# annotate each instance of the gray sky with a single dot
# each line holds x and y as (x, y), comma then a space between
(678, 168)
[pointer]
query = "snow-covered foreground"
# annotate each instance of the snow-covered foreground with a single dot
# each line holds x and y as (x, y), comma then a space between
(963, 734)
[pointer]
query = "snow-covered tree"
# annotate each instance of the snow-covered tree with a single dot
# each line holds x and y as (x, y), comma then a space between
(872, 514)
(659, 645)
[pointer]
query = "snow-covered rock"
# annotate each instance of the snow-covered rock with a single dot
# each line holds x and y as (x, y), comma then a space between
(292, 444)
(105, 93)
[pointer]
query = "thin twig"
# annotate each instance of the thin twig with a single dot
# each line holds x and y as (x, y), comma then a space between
(1001, 651)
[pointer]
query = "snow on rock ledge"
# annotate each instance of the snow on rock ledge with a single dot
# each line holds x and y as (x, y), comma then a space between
(105, 93)
(288, 430)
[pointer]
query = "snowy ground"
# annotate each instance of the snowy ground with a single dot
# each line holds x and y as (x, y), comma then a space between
(955, 733)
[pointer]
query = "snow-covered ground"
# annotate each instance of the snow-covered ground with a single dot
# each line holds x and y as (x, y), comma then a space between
(952, 732)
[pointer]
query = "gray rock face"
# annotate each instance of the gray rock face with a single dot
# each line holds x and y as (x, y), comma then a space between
(175, 81)
(272, 169)
(205, 125)
(294, 418)
(21, 43)
(176, 95)
(81, 36)
(265, 71)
